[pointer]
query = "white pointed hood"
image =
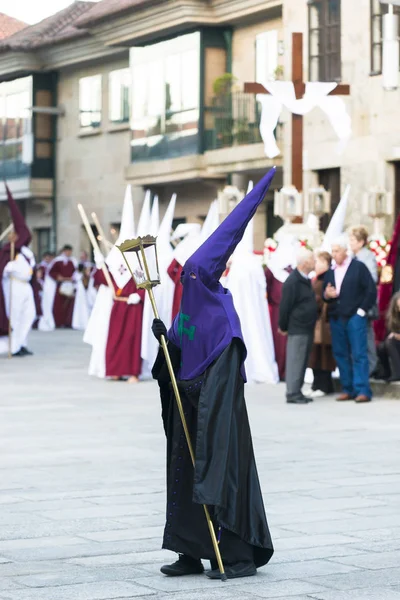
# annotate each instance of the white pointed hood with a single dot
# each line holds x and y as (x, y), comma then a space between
(336, 225)
(145, 216)
(211, 221)
(155, 218)
(115, 260)
(246, 246)
(164, 293)
(164, 233)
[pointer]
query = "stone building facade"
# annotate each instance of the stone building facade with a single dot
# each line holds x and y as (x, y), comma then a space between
(152, 94)
(372, 156)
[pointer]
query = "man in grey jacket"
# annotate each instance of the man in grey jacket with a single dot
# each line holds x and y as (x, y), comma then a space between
(358, 240)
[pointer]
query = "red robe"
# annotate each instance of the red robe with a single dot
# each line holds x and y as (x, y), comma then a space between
(63, 306)
(274, 291)
(389, 283)
(174, 271)
(37, 286)
(125, 332)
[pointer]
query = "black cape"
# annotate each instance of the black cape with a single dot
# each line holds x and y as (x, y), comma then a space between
(225, 476)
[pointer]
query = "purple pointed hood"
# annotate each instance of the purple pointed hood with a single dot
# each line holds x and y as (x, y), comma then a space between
(20, 226)
(208, 322)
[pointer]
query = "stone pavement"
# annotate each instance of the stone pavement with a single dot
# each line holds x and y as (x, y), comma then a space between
(82, 489)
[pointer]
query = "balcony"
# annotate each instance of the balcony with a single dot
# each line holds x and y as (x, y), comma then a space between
(232, 120)
(229, 142)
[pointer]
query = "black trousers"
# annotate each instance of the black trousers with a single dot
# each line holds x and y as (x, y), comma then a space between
(389, 357)
(323, 381)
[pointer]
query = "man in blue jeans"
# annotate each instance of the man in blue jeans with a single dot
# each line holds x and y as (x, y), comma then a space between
(351, 293)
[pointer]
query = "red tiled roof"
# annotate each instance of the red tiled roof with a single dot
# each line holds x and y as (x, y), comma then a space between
(9, 26)
(107, 8)
(57, 28)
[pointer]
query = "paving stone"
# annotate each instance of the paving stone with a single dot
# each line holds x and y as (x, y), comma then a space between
(318, 552)
(87, 591)
(125, 534)
(71, 574)
(58, 528)
(384, 593)
(352, 525)
(305, 569)
(311, 541)
(158, 556)
(282, 589)
(81, 550)
(383, 560)
(363, 579)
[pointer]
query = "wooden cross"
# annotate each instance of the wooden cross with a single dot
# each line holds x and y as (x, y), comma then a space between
(297, 120)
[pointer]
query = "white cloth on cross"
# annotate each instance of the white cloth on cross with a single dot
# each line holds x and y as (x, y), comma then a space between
(282, 93)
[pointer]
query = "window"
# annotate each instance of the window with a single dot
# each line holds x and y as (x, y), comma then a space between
(377, 12)
(16, 142)
(324, 40)
(266, 56)
(90, 101)
(166, 98)
(119, 95)
(43, 236)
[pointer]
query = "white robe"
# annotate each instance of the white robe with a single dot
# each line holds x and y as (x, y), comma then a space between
(246, 281)
(81, 313)
(96, 333)
(17, 288)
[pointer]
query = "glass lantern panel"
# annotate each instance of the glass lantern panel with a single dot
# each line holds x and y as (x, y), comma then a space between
(151, 259)
(135, 266)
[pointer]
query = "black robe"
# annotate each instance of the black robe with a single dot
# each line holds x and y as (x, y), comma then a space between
(225, 476)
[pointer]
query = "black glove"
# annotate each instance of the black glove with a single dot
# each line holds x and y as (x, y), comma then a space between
(158, 328)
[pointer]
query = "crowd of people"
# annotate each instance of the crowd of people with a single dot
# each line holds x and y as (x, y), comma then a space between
(331, 312)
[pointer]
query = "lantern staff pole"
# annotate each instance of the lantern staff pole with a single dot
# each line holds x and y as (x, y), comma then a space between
(182, 414)
(106, 243)
(5, 233)
(95, 245)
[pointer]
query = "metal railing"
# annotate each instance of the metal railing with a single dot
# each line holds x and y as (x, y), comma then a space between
(232, 120)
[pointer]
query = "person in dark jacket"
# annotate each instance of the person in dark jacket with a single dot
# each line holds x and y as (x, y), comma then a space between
(351, 293)
(297, 318)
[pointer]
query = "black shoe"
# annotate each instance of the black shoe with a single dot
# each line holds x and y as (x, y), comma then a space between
(26, 352)
(185, 565)
(19, 353)
(241, 569)
(299, 400)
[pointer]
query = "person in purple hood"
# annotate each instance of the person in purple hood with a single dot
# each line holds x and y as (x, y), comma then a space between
(208, 354)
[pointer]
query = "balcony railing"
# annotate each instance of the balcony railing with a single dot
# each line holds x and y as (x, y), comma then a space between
(232, 120)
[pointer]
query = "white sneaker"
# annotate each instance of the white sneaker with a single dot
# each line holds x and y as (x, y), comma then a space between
(317, 394)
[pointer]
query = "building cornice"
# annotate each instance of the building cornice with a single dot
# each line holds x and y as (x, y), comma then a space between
(72, 53)
(78, 52)
(172, 16)
(18, 64)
